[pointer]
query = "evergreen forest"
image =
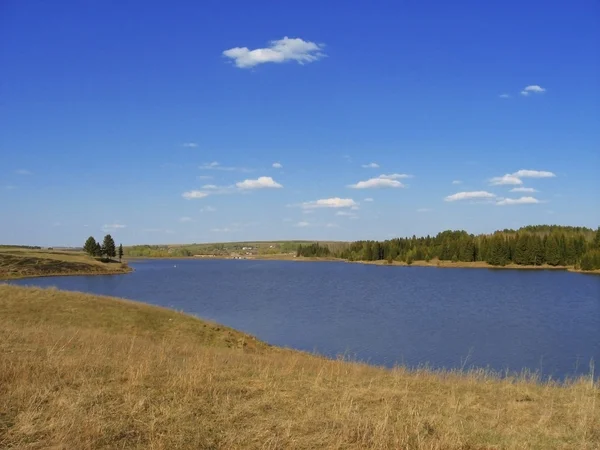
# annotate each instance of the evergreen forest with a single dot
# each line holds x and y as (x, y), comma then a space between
(528, 246)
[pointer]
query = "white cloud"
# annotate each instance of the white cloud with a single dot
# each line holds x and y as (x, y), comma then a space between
(355, 208)
(332, 225)
(208, 209)
(533, 88)
(518, 201)
(368, 199)
(457, 182)
(194, 194)
(395, 176)
(505, 179)
(523, 189)
(210, 186)
(334, 202)
(382, 181)
(186, 219)
(259, 183)
(345, 214)
(10, 187)
(23, 172)
(302, 224)
(281, 50)
(190, 144)
(113, 227)
(371, 166)
(504, 96)
(277, 165)
(515, 178)
(204, 177)
(473, 195)
(221, 230)
(424, 210)
(217, 166)
(523, 173)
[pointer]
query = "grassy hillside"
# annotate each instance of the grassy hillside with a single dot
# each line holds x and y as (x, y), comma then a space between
(21, 263)
(222, 250)
(80, 371)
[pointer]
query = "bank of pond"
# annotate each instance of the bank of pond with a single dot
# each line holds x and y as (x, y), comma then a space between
(85, 371)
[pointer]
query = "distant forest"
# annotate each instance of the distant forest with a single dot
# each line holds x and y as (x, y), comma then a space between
(218, 249)
(532, 245)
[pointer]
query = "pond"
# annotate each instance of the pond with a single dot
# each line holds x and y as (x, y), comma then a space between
(544, 321)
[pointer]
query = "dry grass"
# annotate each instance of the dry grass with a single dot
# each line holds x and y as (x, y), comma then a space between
(80, 371)
(22, 263)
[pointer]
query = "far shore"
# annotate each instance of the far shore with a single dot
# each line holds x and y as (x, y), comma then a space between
(433, 263)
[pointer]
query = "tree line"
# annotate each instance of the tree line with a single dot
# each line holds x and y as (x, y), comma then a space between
(105, 250)
(534, 245)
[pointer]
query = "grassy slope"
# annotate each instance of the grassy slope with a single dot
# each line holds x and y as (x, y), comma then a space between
(22, 263)
(80, 371)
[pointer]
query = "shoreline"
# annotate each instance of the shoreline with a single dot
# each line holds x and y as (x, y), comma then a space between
(477, 265)
(437, 264)
(21, 264)
(107, 372)
(67, 274)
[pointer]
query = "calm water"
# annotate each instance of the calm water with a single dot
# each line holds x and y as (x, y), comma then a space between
(539, 320)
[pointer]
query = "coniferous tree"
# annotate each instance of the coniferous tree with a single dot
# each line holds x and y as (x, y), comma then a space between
(521, 249)
(108, 246)
(536, 251)
(535, 245)
(90, 246)
(596, 243)
(552, 250)
(498, 251)
(120, 252)
(98, 252)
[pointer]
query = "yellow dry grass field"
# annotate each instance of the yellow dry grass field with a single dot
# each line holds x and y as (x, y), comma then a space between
(22, 263)
(87, 372)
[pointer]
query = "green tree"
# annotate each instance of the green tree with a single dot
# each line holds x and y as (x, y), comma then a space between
(108, 247)
(552, 250)
(90, 246)
(120, 252)
(521, 255)
(590, 260)
(498, 251)
(536, 247)
(596, 243)
(98, 251)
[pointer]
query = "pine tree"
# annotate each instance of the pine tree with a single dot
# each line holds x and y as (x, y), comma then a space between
(90, 246)
(120, 252)
(498, 255)
(552, 251)
(597, 239)
(108, 247)
(98, 251)
(522, 249)
(536, 252)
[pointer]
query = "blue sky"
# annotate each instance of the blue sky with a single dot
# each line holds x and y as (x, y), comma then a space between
(222, 120)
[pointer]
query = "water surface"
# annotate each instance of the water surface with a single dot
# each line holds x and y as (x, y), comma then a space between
(546, 321)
